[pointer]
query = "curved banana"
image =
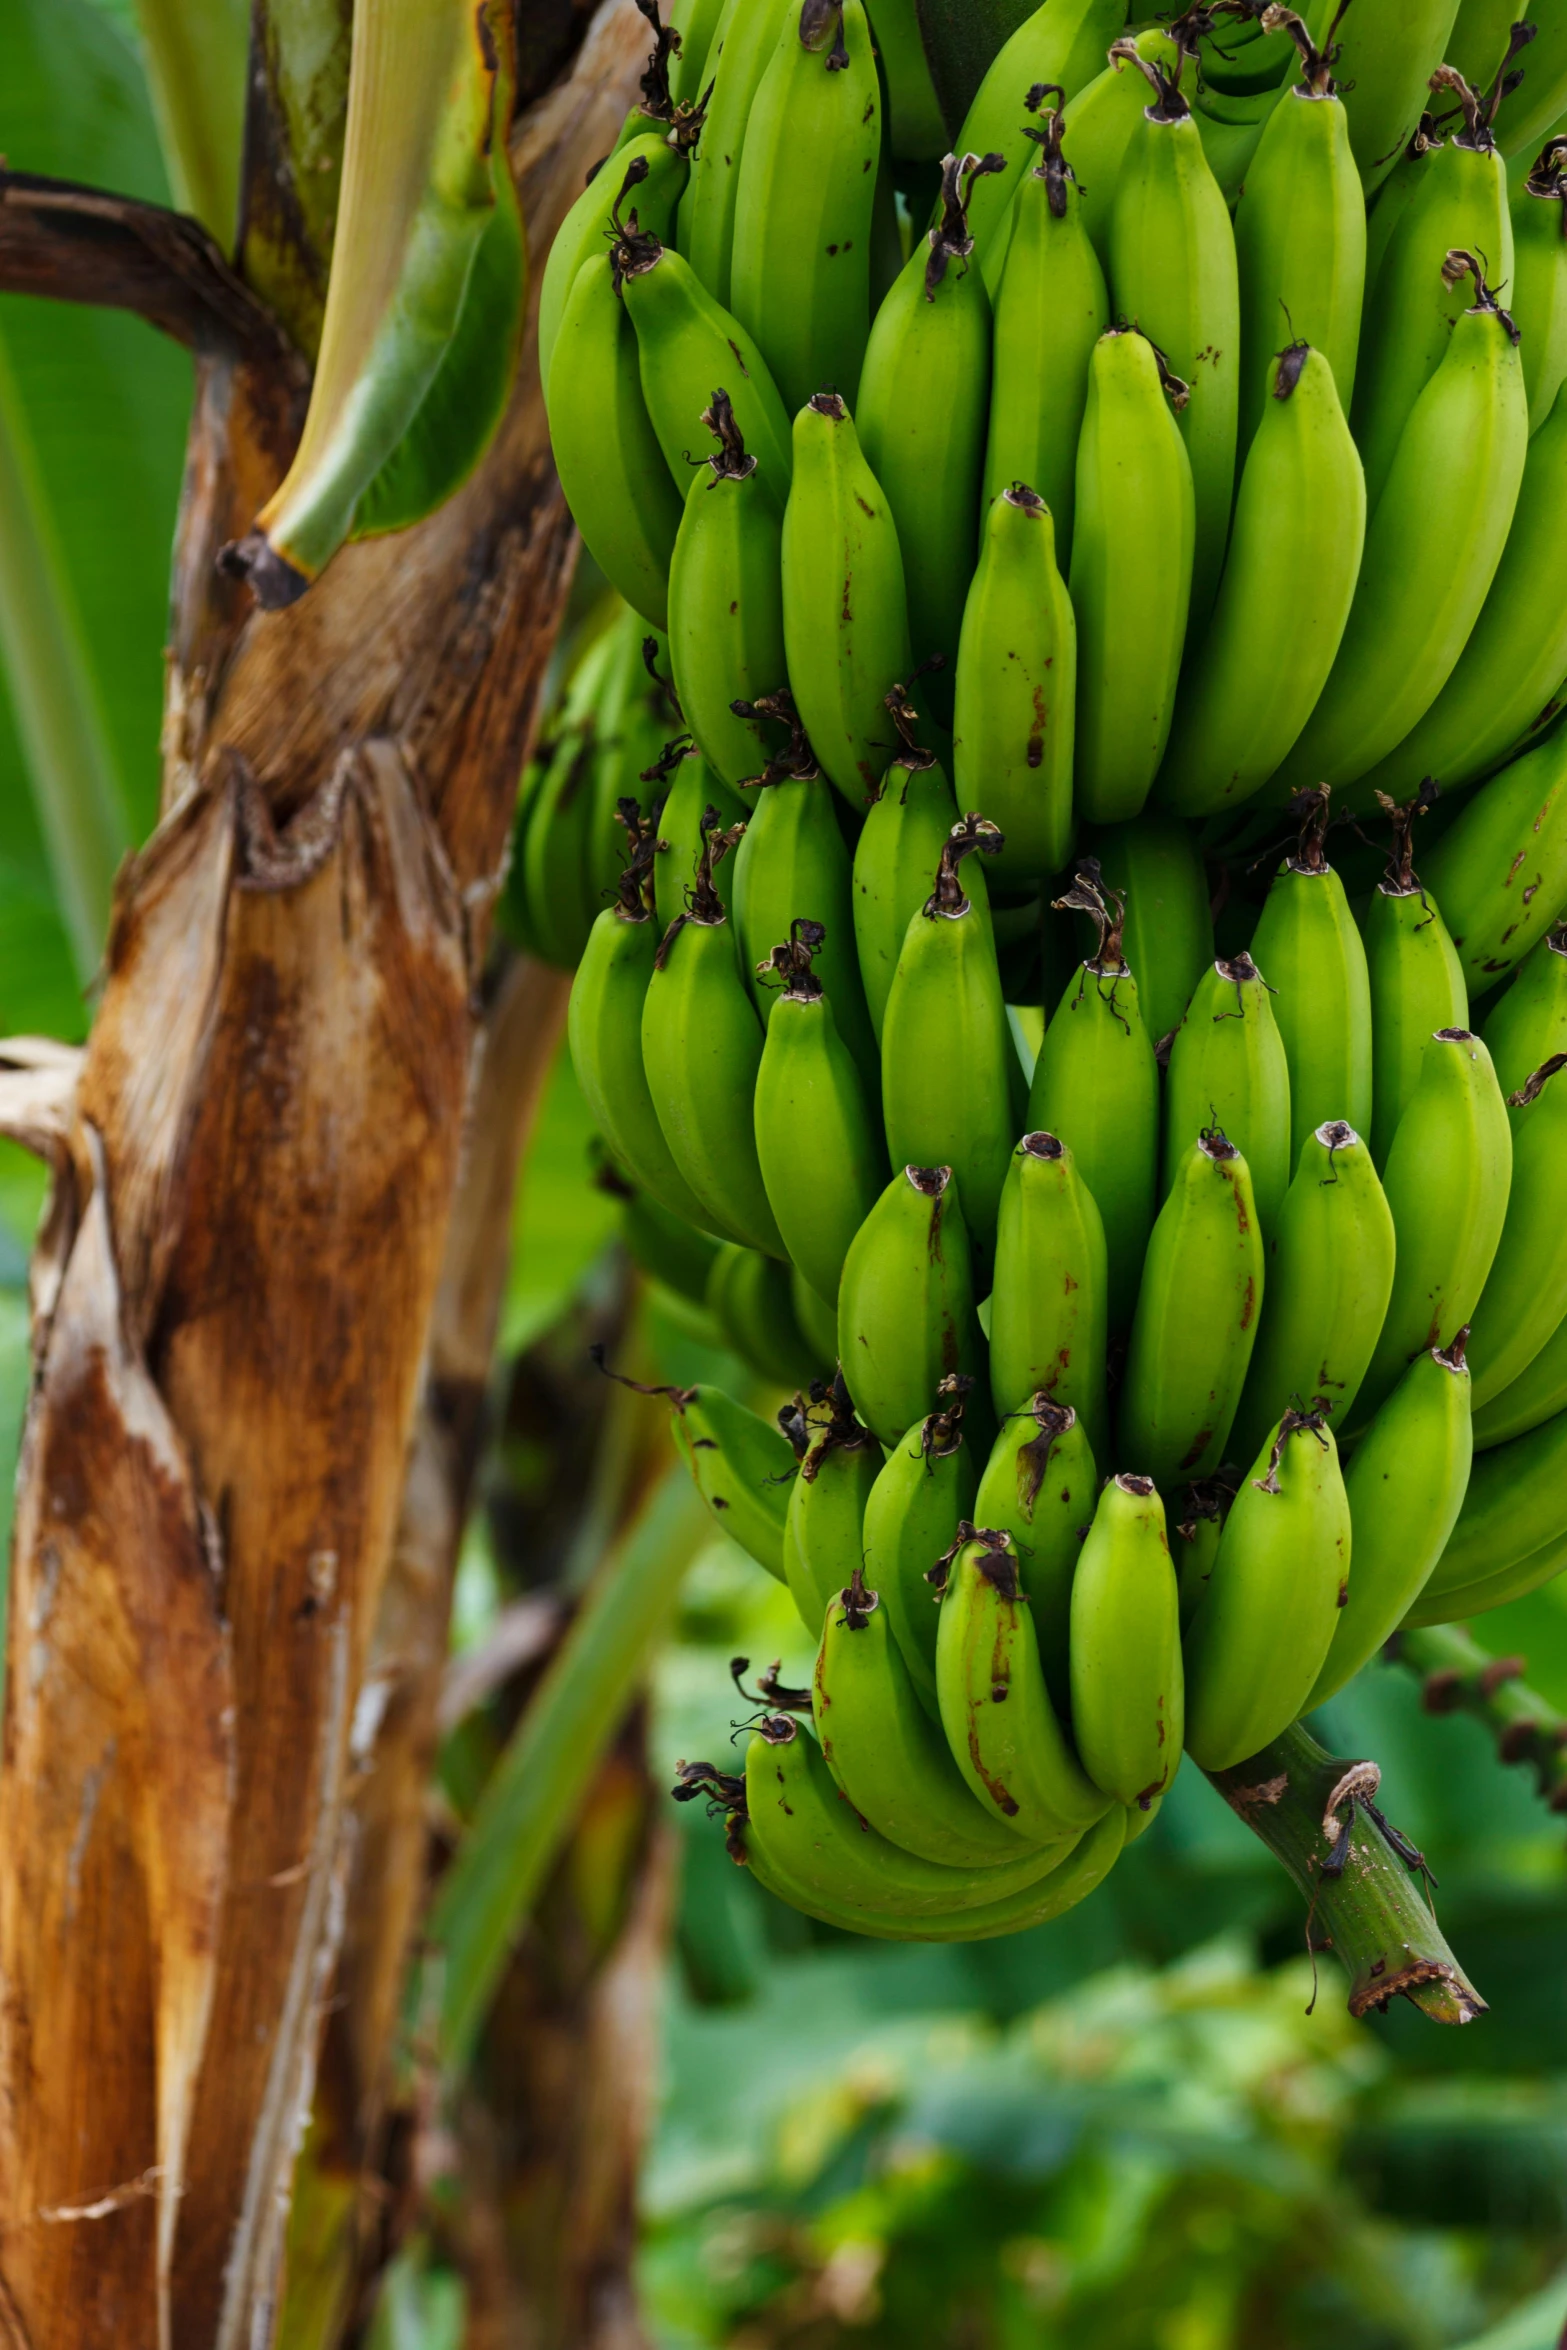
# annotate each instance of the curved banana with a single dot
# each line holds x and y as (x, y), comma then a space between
(740, 51)
(743, 1469)
(1535, 1396)
(1308, 940)
(1199, 1530)
(726, 640)
(1062, 44)
(649, 168)
(906, 1315)
(1231, 129)
(1537, 295)
(846, 625)
(1196, 1318)
(1528, 1021)
(1228, 1068)
(906, 828)
(749, 1298)
(1525, 1296)
(1500, 871)
(1384, 62)
(1155, 864)
(1128, 1689)
(1514, 1581)
(1039, 1487)
(818, 1142)
(1015, 704)
(1447, 1179)
(1289, 581)
(916, 132)
(686, 343)
(1047, 1309)
(697, 804)
(1131, 575)
(555, 840)
(925, 1492)
(696, 21)
(817, 1319)
(1099, 123)
(1515, 1508)
(800, 263)
(677, 1255)
(823, 1545)
(1329, 1278)
(1417, 981)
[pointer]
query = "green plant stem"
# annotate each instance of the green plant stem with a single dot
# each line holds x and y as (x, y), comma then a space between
(535, 1792)
(1370, 1912)
(1457, 1675)
(49, 672)
(196, 57)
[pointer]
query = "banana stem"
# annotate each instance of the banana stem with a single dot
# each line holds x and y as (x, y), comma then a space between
(1457, 1675)
(1318, 1816)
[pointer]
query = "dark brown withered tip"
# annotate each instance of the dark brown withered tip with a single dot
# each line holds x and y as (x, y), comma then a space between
(272, 579)
(732, 461)
(829, 404)
(1291, 367)
(948, 901)
(1041, 1146)
(1215, 1144)
(791, 962)
(1451, 1357)
(1138, 1486)
(929, 1182)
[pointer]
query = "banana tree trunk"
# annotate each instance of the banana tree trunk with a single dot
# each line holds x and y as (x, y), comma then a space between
(254, 1184)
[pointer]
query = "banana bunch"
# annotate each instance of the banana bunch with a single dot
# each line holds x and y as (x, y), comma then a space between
(1141, 1183)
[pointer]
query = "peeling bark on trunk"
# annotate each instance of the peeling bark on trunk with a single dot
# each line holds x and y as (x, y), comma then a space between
(253, 1198)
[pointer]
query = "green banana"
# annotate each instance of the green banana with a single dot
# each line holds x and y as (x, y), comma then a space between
(686, 343)
(1154, 863)
(916, 132)
(916, 1505)
(1172, 265)
(906, 828)
(675, 1254)
(1047, 1309)
(1128, 1692)
(1535, 1396)
(822, 1533)
(1196, 1318)
(1516, 657)
(1015, 703)
(697, 804)
(1527, 1023)
(1446, 1178)
(995, 1706)
(1537, 296)
(800, 263)
(1514, 1581)
(1062, 44)
(1329, 1278)
(818, 1142)
(555, 838)
(846, 626)
(1307, 938)
(948, 1064)
(1039, 1487)
(1500, 871)
(652, 167)
(748, 1296)
(1536, 104)
(743, 1469)
(696, 22)
(1258, 1641)
(1468, 432)
(906, 1315)
(1289, 581)
(1096, 1084)
(702, 1047)
(1479, 42)
(633, 719)
(1199, 1531)
(1051, 307)
(1417, 981)
(1397, 192)
(1099, 122)
(1384, 63)
(1131, 574)
(1515, 1507)
(726, 602)
(1525, 1295)
(1228, 1068)
(741, 49)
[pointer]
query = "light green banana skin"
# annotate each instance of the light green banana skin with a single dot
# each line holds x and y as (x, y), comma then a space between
(1536, 106)
(1096, 1084)
(1447, 1181)
(900, 844)
(1097, 127)
(1064, 42)
(749, 1298)
(906, 1313)
(1289, 580)
(822, 1533)
(1525, 1295)
(1535, 1396)
(1014, 720)
(605, 448)
(1047, 1310)
(742, 46)
(1476, 1599)
(1039, 1486)
(1231, 129)
(801, 258)
(695, 789)
(916, 132)
(604, 1027)
(1051, 307)
(1300, 248)
(1417, 987)
(701, 1048)
(1384, 65)
(1515, 1507)
(1168, 940)
(697, 23)
(1228, 1068)
(726, 616)
(742, 1468)
(1537, 298)
(911, 1519)
(1500, 871)
(1195, 1561)
(1406, 1485)
(1527, 1023)
(888, 1756)
(1329, 1277)
(675, 1254)
(687, 344)
(1309, 946)
(846, 626)
(1128, 1688)
(1411, 618)
(791, 865)
(819, 1146)
(588, 229)
(1196, 1321)
(1133, 535)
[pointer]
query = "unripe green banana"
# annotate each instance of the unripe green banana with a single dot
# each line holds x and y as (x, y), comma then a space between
(726, 601)
(817, 1319)
(923, 1494)
(1155, 864)
(1198, 1532)
(675, 1254)
(1468, 431)
(1051, 307)
(1537, 295)
(1384, 63)
(889, 1758)
(648, 168)
(1047, 1309)
(1096, 1084)
(906, 1315)
(634, 716)
(948, 1064)
(905, 830)
(1289, 581)
(1446, 1178)
(1514, 1581)
(555, 844)
(1128, 1695)
(1259, 1639)
(1398, 191)
(1525, 1295)
(1231, 130)
(1516, 657)
(1099, 123)
(916, 132)
(1527, 1023)
(800, 264)
(743, 1469)
(1515, 1508)
(1039, 1486)
(1015, 706)
(1132, 541)
(1300, 236)
(1228, 1068)
(1329, 1278)
(696, 21)
(923, 402)
(697, 804)
(846, 623)
(605, 448)
(1537, 104)
(1063, 45)
(1535, 1396)
(1406, 1483)
(1308, 940)
(823, 1544)
(739, 54)
(1417, 981)
(702, 1047)
(995, 1707)
(818, 1140)
(1500, 871)
(686, 343)
(1196, 1318)
(1172, 265)
(749, 1298)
